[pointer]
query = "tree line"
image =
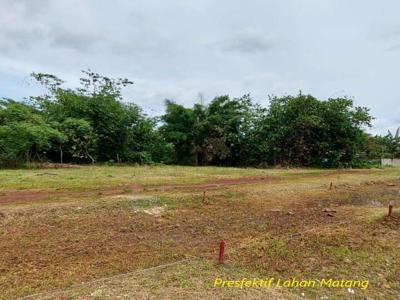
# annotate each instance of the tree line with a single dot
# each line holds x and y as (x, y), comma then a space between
(92, 124)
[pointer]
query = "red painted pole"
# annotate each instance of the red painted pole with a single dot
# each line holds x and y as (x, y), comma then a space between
(221, 252)
(390, 209)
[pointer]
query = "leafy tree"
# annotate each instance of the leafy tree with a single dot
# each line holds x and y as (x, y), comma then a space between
(178, 129)
(24, 135)
(80, 140)
(119, 132)
(230, 124)
(215, 134)
(304, 131)
(96, 101)
(387, 146)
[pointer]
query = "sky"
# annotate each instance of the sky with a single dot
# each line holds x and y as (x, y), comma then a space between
(186, 50)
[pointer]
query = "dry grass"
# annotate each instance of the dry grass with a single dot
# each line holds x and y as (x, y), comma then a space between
(187, 279)
(280, 227)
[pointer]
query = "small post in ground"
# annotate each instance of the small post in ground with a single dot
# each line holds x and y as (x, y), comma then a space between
(390, 209)
(221, 252)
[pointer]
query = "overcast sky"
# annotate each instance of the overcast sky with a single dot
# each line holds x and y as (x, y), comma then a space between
(178, 49)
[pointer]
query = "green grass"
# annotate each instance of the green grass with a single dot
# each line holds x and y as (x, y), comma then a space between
(86, 177)
(100, 176)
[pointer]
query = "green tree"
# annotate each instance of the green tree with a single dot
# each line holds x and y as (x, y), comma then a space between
(178, 129)
(80, 141)
(218, 134)
(230, 126)
(304, 131)
(120, 131)
(387, 146)
(24, 135)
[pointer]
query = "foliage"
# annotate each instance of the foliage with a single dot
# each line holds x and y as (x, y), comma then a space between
(108, 129)
(304, 131)
(178, 129)
(295, 130)
(23, 134)
(387, 146)
(218, 134)
(92, 123)
(80, 140)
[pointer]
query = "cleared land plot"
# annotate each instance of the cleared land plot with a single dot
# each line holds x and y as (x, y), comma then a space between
(187, 279)
(93, 222)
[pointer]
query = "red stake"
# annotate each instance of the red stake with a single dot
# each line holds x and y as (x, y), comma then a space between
(221, 252)
(390, 209)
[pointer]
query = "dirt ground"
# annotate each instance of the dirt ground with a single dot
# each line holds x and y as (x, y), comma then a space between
(303, 225)
(31, 196)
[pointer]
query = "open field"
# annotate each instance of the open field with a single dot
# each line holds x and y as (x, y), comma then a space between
(63, 227)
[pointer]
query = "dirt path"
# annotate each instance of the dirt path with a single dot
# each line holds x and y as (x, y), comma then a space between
(32, 196)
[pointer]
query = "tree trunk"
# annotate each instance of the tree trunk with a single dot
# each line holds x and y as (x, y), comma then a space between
(28, 157)
(91, 157)
(61, 154)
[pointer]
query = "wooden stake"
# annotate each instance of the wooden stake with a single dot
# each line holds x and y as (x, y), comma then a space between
(221, 252)
(390, 209)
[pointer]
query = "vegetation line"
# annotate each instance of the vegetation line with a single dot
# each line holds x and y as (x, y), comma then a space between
(93, 123)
